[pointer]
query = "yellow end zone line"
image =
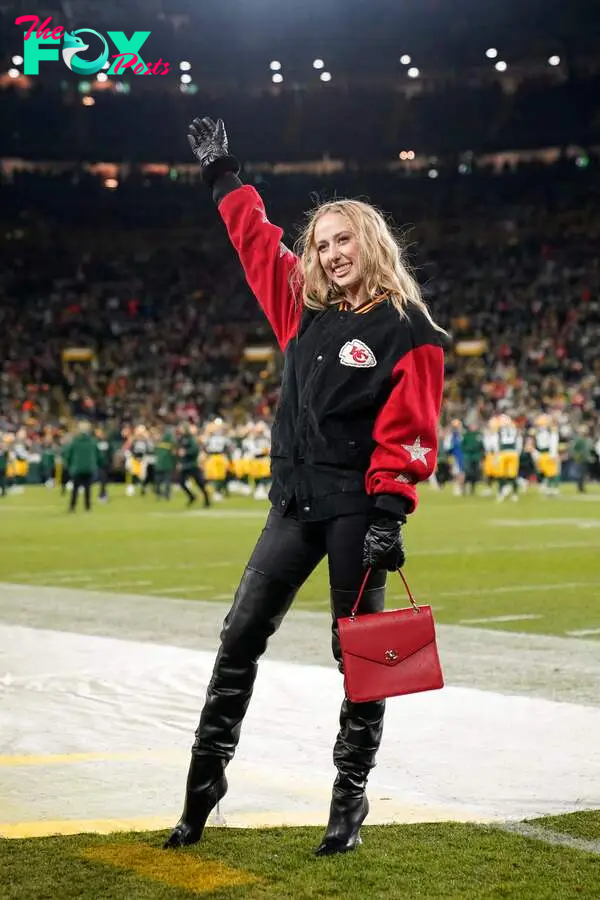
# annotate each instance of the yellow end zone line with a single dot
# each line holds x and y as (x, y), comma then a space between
(82, 826)
(61, 759)
(392, 813)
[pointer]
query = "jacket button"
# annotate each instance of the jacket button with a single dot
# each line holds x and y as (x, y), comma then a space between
(319, 358)
(283, 502)
(307, 509)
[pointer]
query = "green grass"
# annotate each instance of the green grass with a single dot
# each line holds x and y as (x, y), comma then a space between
(470, 557)
(585, 825)
(460, 558)
(449, 861)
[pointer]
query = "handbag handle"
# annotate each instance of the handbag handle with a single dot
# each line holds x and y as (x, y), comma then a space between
(364, 584)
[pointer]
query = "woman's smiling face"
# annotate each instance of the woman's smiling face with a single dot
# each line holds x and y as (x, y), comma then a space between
(338, 249)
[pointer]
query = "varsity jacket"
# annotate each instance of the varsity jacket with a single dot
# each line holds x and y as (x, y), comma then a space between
(356, 423)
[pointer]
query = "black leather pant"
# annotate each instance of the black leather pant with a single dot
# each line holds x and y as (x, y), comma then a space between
(286, 553)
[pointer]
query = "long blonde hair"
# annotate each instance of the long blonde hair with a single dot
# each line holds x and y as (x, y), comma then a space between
(385, 272)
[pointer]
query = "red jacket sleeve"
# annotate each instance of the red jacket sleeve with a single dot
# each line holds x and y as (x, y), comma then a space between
(406, 427)
(267, 262)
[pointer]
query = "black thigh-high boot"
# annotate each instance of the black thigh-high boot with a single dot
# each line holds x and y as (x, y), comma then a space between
(258, 609)
(356, 746)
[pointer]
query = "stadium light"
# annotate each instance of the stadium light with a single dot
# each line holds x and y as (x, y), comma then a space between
(275, 65)
(185, 79)
(553, 61)
(17, 60)
(325, 76)
(111, 183)
(433, 173)
(101, 76)
(501, 66)
(185, 66)
(88, 101)
(491, 53)
(413, 72)
(277, 78)
(318, 64)
(13, 73)
(405, 59)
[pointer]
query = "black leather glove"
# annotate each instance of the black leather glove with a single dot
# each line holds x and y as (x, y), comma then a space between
(383, 547)
(208, 140)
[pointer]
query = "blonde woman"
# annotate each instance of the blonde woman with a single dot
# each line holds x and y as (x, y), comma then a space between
(354, 432)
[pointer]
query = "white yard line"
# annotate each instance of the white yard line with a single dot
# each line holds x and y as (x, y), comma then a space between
(219, 514)
(536, 523)
(182, 590)
(66, 574)
(117, 584)
(556, 838)
(496, 548)
(6, 508)
(516, 618)
(75, 574)
(583, 632)
(517, 589)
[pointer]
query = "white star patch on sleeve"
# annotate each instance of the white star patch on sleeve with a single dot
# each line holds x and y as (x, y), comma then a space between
(417, 452)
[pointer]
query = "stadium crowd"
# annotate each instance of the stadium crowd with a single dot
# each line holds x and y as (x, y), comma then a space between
(508, 263)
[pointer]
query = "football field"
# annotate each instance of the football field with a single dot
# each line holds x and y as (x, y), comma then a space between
(109, 623)
(531, 566)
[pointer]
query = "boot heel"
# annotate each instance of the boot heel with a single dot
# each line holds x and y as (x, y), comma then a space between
(198, 807)
(343, 831)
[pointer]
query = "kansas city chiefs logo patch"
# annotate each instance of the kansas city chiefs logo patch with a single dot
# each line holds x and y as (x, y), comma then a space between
(355, 353)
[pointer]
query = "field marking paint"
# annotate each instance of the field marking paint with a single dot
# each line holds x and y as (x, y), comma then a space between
(220, 514)
(474, 550)
(518, 588)
(583, 632)
(182, 589)
(75, 579)
(66, 575)
(62, 759)
(535, 523)
(81, 826)
(117, 584)
(38, 577)
(201, 876)
(547, 836)
(6, 508)
(74, 574)
(516, 618)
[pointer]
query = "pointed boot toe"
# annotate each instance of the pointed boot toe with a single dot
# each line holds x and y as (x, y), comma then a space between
(198, 806)
(183, 835)
(343, 830)
(331, 846)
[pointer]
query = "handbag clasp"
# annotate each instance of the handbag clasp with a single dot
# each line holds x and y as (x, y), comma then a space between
(391, 655)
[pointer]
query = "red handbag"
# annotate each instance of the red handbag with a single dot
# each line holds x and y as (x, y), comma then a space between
(389, 653)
